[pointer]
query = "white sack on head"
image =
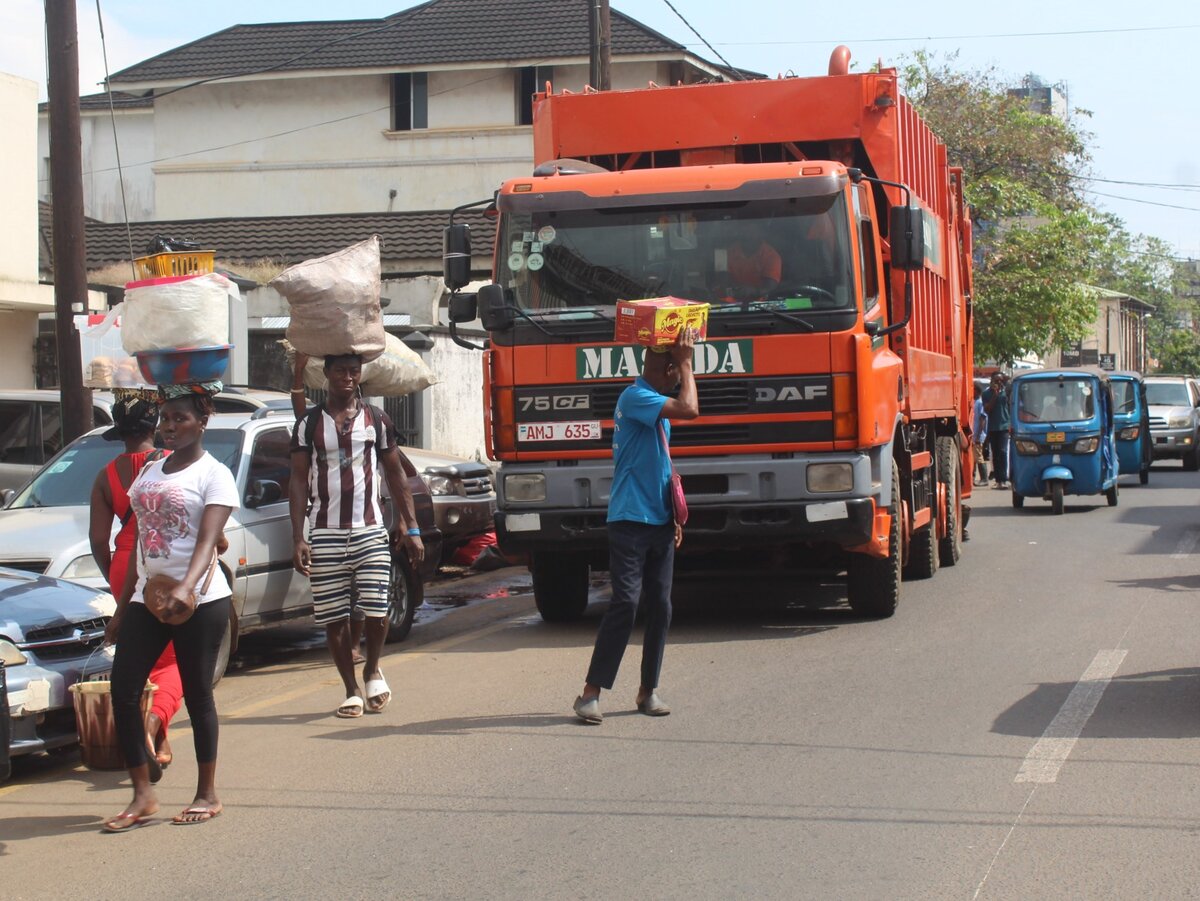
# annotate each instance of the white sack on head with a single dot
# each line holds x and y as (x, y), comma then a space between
(398, 371)
(334, 302)
(158, 314)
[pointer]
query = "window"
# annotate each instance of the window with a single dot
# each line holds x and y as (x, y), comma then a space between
(16, 421)
(530, 80)
(866, 250)
(271, 460)
(51, 417)
(410, 101)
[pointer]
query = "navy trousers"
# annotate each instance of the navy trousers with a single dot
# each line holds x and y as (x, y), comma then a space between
(641, 561)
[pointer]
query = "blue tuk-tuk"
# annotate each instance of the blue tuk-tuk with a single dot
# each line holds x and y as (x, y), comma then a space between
(1062, 436)
(1131, 422)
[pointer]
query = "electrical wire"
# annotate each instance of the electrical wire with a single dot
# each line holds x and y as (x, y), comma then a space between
(1138, 184)
(112, 114)
(952, 37)
(1170, 206)
(733, 71)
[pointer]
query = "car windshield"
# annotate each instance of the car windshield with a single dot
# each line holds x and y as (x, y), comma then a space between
(1124, 396)
(791, 252)
(1167, 394)
(1064, 400)
(66, 481)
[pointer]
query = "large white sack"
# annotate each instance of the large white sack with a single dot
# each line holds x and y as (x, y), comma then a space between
(334, 302)
(164, 313)
(398, 371)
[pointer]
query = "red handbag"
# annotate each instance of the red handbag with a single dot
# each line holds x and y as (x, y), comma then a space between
(678, 499)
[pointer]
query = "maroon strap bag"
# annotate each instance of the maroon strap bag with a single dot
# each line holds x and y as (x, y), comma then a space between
(678, 500)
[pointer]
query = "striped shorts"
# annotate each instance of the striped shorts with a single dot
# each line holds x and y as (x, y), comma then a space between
(345, 559)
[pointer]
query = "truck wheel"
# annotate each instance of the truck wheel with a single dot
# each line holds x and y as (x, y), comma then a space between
(406, 593)
(923, 549)
(1056, 497)
(873, 584)
(950, 547)
(1111, 494)
(560, 585)
(1191, 460)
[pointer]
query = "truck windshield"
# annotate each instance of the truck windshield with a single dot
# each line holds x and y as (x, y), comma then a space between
(1167, 394)
(783, 254)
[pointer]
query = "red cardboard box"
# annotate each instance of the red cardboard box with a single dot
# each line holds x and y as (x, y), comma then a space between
(658, 322)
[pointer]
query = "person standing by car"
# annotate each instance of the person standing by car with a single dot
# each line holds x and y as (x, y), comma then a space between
(135, 417)
(979, 421)
(995, 404)
(338, 451)
(642, 533)
(182, 503)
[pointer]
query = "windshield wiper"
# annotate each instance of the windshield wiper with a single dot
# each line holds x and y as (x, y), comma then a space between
(758, 305)
(565, 311)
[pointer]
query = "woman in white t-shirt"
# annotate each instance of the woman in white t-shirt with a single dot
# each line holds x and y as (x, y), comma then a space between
(182, 503)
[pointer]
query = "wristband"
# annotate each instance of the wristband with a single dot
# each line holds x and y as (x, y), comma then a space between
(297, 391)
(414, 532)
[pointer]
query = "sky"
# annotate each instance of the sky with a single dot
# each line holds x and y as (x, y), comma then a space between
(1128, 71)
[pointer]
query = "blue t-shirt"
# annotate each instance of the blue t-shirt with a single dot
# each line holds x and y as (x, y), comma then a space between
(641, 467)
(998, 416)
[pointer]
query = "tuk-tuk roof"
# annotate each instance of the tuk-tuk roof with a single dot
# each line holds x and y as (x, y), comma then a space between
(1067, 371)
(1127, 374)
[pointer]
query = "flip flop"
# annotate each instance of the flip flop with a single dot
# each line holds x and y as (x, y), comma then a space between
(204, 813)
(351, 708)
(131, 821)
(377, 688)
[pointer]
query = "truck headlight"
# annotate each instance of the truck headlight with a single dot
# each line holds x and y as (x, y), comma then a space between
(1087, 445)
(1129, 433)
(1179, 422)
(827, 477)
(525, 487)
(440, 486)
(83, 567)
(11, 654)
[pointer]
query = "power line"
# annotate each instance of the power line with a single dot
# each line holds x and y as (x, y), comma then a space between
(692, 28)
(951, 37)
(1170, 206)
(1139, 184)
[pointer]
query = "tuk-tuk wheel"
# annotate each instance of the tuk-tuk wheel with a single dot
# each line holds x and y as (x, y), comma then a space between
(1111, 494)
(1056, 497)
(1018, 499)
(1144, 476)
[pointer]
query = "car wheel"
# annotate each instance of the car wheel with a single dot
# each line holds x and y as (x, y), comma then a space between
(560, 585)
(1191, 460)
(406, 593)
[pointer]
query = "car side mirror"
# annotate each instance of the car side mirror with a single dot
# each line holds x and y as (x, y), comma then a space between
(7, 495)
(906, 233)
(456, 256)
(263, 492)
(494, 308)
(464, 307)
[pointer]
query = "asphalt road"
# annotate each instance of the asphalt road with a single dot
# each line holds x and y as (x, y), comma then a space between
(1026, 726)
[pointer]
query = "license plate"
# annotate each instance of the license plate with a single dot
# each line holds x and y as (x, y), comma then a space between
(1056, 437)
(558, 431)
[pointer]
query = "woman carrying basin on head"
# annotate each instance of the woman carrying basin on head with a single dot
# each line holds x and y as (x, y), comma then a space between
(182, 503)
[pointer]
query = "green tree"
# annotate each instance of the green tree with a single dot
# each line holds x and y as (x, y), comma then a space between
(1036, 239)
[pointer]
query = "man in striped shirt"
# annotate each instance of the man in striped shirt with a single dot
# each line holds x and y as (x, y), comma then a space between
(340, 451)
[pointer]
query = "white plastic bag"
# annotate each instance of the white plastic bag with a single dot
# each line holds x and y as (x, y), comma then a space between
(334, 302)
(163, 313)
(398, 371)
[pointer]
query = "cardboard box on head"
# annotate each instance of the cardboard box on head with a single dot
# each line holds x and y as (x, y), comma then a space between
(658, 322)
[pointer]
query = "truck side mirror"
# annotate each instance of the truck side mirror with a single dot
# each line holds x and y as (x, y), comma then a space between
(494, 308)
(464, 307)
(456, 256)
(906, 232)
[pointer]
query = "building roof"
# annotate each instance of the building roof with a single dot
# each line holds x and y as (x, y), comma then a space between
(121, 101)
(411, 241)
(433, 33)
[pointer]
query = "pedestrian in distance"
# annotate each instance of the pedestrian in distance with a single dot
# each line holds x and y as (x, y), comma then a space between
(995, 404)
(339, 450)
(642, 532)
(979, 431)
(182, 503)
(135, 418)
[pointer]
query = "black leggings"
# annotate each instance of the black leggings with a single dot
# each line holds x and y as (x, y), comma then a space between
(140, 642)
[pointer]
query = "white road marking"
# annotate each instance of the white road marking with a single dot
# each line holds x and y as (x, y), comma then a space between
(1186, 545)
(1050, 752)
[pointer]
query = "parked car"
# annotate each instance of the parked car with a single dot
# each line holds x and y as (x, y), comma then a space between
(1175, 419)
(44, 528)
(51, 633)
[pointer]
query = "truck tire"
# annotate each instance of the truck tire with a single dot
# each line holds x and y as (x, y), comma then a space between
(948, 464)
(873, 584)
(560, 585)
(923, 549)
(1191, 460)
(406, 593)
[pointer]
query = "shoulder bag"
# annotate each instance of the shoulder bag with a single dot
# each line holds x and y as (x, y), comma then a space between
(157, 592)
(678, 500)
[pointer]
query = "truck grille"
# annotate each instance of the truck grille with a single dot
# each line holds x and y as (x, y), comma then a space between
(473, 487)
(1157, 422)
(718, 397)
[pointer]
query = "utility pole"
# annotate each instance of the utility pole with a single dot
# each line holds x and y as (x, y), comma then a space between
(66, 187)
(599, 45)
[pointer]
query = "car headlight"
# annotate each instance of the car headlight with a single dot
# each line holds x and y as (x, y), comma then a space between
(527, 487)
(1179, 422)
(11, 654)
(824, 477)
(1087, 445)
(83, 567)
(1129, 433)
(440, 486)
(1027, 448)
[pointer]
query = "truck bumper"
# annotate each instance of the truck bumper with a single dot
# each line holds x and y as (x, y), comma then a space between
(846, 523)
(1170, 443)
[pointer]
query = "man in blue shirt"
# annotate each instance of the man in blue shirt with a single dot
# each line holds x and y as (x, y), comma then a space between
(995, 404)
(642, 533)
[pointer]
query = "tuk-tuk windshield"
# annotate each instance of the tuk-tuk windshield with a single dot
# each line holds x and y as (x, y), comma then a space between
(1124, 396)
(1064, 400)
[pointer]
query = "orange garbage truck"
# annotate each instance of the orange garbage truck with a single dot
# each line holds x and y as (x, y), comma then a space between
(820, 219)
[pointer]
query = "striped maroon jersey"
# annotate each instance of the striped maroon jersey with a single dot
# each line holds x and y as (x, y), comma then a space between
(345, 477)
